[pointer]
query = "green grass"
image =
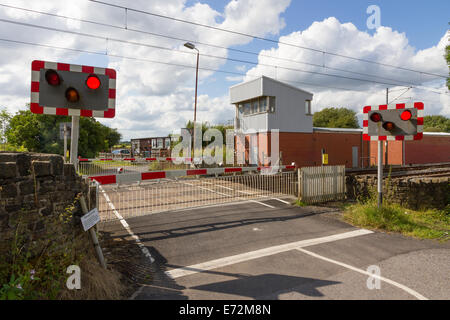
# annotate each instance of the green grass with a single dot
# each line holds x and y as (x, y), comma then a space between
(300, 203)
(423, 224)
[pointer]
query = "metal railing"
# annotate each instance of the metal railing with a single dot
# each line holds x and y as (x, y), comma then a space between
(116, 201)
(321, 184)
(98, 167)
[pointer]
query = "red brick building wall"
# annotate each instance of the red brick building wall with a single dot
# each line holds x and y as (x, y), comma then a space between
(431, 149)
(305, 148)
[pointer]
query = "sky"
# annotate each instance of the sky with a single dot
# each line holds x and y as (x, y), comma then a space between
(155, 87)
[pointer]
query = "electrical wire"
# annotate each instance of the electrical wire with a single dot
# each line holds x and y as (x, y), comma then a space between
(165, 63)
(197, 42)
(262, 38)
(176, 50)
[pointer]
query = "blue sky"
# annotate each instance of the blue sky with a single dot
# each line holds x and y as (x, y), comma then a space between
(423, 22)
(156, 99)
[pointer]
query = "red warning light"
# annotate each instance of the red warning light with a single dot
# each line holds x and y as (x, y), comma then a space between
(52, 78)
(389, 126)
(93, 82)
(406, 115)
(375, 117)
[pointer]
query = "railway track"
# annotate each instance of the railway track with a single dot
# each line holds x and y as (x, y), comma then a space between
(432, 170)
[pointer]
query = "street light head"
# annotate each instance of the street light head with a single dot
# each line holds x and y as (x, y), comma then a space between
(189, 45)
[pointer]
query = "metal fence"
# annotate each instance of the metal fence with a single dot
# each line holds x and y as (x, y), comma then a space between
(117, 201)
(321, 184)
(98, 167)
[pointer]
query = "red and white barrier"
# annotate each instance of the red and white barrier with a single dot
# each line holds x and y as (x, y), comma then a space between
(152, 175)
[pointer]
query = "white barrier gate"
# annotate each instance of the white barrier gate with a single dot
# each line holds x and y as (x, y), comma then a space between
(144, 197)
(321, 184)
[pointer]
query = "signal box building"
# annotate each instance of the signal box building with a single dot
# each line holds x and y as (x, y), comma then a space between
(265, 104)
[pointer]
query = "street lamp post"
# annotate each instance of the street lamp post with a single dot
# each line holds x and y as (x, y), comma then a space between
(192, 47)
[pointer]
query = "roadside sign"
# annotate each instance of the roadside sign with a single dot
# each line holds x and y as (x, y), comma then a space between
(61, 129)
(72, 90)
(90, 219)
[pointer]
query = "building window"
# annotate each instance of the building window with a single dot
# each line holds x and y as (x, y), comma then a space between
(167, 142)
(255, 106)
(247, 107)
(263, 104)
(153, 143)
(308, 107)
(272, 104)
(160, 143)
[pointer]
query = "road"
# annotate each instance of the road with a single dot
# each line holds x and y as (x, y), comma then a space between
(272, 250)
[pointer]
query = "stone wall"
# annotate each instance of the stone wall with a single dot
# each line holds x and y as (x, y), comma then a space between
(37, 183)
(411, 192)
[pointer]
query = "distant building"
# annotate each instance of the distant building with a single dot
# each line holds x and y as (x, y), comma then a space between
(151, 147)
(265, 104)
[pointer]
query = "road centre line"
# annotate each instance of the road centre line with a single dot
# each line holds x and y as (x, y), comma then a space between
(396, 284)
(226, 261)
(126, 226)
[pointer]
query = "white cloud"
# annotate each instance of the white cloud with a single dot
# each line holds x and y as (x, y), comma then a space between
(384, 46)
(156, 99)
(152, 98)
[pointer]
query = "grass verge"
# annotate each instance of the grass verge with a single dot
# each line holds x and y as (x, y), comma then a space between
(423, 224)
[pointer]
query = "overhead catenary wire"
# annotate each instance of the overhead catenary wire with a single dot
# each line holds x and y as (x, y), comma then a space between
(127, 28)
(400, 95)
(262, 38)
(165, 63)
(186, 52)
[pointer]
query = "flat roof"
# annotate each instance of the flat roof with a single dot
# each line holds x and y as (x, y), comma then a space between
(271, 79)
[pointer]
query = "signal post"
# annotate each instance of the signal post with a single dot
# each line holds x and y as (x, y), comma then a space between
(391, 122)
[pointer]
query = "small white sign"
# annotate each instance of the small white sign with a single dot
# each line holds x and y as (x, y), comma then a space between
(90, 219)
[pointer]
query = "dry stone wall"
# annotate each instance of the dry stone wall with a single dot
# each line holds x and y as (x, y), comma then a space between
(411, 192)
(36, 183)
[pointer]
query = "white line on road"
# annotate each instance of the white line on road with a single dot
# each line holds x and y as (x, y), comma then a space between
(126, 226)
(286, 202)
(222, 262)
(396, 284)
(262, 203)
(228, 195)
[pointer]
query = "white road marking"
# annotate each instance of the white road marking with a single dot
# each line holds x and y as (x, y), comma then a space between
(396, 284)
(262, 203)
(245, 192)
(228, 195)
(286, 202)
(217, 185)
(226, 261)
(126, 226)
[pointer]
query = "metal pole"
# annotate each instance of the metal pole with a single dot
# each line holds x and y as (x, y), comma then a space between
(380, 173)
(65, 142)
(98, 249)
(195, 104)
(74, 140)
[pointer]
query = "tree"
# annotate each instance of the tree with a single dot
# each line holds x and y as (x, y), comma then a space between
(5, 117)
(436, 124)
(335, 118)
(40, 133)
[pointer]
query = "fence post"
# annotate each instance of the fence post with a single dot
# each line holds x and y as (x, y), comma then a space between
(299, 184)
(98, 249)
